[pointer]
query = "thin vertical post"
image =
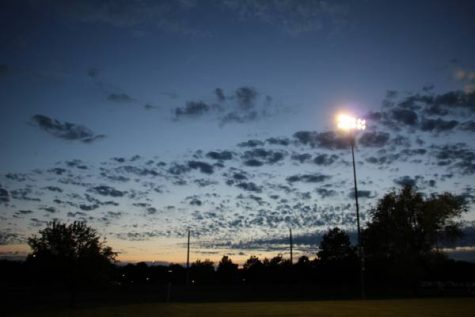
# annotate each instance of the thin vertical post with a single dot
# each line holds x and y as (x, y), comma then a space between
(360, 246)
(291, 247)
(188, 259)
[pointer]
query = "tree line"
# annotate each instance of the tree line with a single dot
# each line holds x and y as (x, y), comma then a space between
(400, 246)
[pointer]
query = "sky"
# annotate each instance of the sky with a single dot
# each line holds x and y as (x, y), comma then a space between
(147, 119)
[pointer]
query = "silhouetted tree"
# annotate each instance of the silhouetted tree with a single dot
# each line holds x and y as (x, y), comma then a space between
(304, 269)
(337, 260)
(72, 254)
(277, 269)
(405, 229)
(335, 247)
(202, 271)
(405, 223)
(253, 269)
(227, 271)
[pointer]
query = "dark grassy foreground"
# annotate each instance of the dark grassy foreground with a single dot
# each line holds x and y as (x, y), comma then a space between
(459, 307)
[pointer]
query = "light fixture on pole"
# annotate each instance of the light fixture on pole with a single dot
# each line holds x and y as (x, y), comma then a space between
(351, 124)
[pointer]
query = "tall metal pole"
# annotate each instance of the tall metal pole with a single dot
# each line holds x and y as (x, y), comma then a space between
(291, 247)
(360, 246)
(188, 260)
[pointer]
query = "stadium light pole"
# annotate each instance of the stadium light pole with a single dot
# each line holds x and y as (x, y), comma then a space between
(350, 125)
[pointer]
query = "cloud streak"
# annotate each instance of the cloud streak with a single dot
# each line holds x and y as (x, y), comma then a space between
(67, 130)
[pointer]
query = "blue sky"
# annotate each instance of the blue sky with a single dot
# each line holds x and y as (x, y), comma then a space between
(147, 118)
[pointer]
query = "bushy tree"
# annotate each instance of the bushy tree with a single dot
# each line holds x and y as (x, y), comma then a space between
(253, 269)
(404, 223)
(72, 255)
(335, 246)
(337, 261)
(227, 271)
(202, 272)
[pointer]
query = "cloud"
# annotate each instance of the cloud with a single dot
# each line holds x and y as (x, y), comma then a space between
(221, 156)
(54, 189)
(204, 182)
(107, 191)
(238, 117)
(202, 166)
(425, 110)
(25, 212)
(178, 169)
(4, 195)
(253, 163)
(468, 126)
(374, 139)
(88, 207)
(18, 177)
(51, 210)
(235, 176)
(149, 107)
(405, 116)
(405, 181)
(325, 159)
(324, 193)
(220, 94)
(7, 238)
(301, 157)
(308, 178)
(246, 97)
(77, 214)
(57, 171)
(77, 164)
(250, 186)
(326, 140)
(120, 98)
(362, 194)
(66, 130)
(139, 236)
(279, 141)
(195, 202)
(243, 106)
(24, 194)
(458, 156)
(132, 170)
(256, 156)
(438, 125)
(251, 143)
(192, 109)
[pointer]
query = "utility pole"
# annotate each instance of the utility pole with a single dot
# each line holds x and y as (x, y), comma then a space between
(291, 246)
(188, 259)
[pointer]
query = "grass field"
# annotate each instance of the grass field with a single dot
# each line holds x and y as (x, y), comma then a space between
(458, 307)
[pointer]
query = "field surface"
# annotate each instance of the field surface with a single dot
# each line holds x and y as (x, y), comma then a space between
(459, 307)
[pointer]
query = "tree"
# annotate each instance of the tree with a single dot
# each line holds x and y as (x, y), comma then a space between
(335, 246)
(405, 224)
(253, 269)
(202, 272)
(337, 261)
(70, 254)
(227, 271)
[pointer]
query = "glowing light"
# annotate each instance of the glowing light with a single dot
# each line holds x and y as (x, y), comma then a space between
(346, 122)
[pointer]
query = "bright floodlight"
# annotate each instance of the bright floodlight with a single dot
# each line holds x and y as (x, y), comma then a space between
(346, 123)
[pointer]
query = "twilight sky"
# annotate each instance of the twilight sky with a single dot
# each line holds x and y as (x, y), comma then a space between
(149, 118)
